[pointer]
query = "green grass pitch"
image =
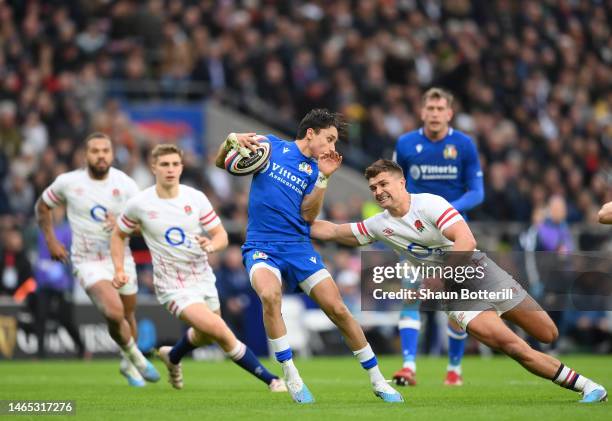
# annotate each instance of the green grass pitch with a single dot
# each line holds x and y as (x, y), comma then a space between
(496, 388)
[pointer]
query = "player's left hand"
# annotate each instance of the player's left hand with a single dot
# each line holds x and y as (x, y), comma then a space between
(329, 162)
(110, 222)
(205, 244)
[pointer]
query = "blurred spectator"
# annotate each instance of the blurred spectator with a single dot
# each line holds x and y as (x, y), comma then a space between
(53, 298)
(15, 270)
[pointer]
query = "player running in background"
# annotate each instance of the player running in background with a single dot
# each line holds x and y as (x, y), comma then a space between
(430, 224)
(173, 219)
(440, 160)
(93, 196)
(285, 197)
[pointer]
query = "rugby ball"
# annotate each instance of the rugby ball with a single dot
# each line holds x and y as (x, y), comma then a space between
(243, 161)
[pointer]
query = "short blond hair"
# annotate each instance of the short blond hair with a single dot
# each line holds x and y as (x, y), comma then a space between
(165, 149)
(437, 93)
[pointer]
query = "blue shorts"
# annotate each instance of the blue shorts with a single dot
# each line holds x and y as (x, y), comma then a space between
(297, 264)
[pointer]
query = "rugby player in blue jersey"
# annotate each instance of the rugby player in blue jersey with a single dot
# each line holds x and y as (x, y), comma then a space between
(285, 198)
(440, 160)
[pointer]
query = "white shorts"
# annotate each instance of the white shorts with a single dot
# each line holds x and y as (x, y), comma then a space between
(88, 273)
(177, 300)
(496, 279)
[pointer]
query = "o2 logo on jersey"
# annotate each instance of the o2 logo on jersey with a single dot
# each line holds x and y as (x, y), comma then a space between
(415, 172)
(175, 236)
(98, 213)
(423, 252)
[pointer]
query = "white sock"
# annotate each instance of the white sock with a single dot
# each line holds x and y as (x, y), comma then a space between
(127, 367)
(569, 379)
(455, 368)
(238, 351)
(281, 346)
(411, 365)
(368, 361)
(134, 355)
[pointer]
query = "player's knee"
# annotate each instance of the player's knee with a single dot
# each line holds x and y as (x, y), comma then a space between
(113, 314)
(271, 299)
(339, 312)
(550, 334)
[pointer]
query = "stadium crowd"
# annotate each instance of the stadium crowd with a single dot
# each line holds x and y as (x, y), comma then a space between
(531, 80)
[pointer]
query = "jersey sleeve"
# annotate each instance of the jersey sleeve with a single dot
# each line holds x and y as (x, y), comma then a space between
(54, 195)
(208, 217)
(130, 218)
(442, 213)
(471, 164)
(312, 181)
(364, 231)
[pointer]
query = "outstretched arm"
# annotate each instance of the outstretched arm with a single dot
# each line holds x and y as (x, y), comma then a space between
(605, 214)
(246, 140)
(328, 231)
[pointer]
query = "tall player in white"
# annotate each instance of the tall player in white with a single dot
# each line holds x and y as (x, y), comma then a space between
(93, 196)
(427, 226)
(173, 219)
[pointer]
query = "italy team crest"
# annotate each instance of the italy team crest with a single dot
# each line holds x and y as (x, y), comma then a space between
(450, 152)
(305, 167)
(259, 255)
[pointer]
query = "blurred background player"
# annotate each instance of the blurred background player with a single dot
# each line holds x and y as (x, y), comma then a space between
(443, 229)
(93, 196)
(172, 218)
(285, 197)
(441, 160)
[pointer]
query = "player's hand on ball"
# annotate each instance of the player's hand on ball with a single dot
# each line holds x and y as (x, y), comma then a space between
(205, 244)
(329, 162)
(244, 140)
(120, 279)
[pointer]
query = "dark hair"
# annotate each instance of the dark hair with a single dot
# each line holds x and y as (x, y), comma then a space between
(97, 135)
(383, 165)
(321, 118)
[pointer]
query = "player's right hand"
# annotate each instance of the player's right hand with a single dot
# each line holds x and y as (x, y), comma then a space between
(58, 251)
(247, 140)
(120, 279)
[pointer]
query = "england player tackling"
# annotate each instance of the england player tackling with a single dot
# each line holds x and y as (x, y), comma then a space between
(430, 223)
(285, 197)
(93, 196)
(173, 219)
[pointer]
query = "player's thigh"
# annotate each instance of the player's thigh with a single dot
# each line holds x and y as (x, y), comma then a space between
(267, 284)
(488, 328)
(529, 316)
(206, 321)
(106, 298)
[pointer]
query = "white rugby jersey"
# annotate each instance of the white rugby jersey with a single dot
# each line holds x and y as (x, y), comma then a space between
(169, 227)
(88, 203)
(418, 233)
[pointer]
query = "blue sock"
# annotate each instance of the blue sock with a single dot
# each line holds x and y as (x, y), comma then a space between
(409, 337)
(182, 347)
(245, 358)
(456, 346)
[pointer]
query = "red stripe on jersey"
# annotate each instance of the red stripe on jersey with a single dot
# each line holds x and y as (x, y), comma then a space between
(442, 216)
(207, 215)
(451, 216)
(359, 228)
(54, 197)
(209, 221)
(127, 222)
(365, 230)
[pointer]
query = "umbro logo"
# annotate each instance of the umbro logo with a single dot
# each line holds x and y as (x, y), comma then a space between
(313, 259)
(285, 149)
